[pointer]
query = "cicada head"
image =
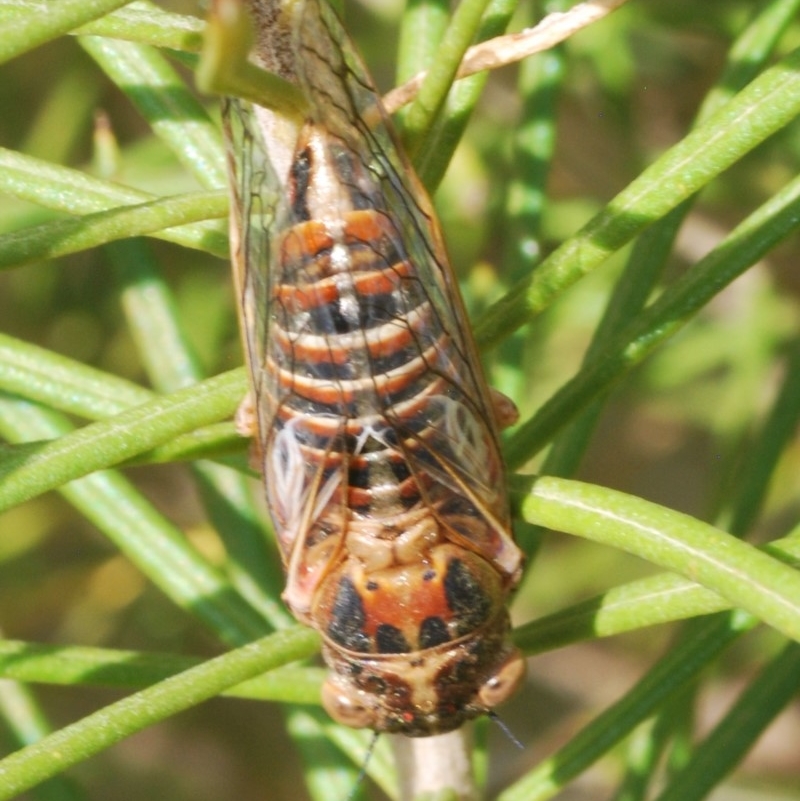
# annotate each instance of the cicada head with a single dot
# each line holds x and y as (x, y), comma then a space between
(417, 649)
(424, 693)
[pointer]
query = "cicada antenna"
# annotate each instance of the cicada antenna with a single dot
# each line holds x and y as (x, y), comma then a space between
(495, 718)
(362, 773)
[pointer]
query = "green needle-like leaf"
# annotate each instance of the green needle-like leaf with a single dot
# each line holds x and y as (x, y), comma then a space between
(79, 741)
(111, 442)
(104, 667)
(29, 27)
(74, 192)
(766, 105)
(54, 239)
(748, 578)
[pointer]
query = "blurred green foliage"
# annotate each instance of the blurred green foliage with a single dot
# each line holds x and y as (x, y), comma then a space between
(704, 425)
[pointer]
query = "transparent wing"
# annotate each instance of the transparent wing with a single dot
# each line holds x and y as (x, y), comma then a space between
(299, 490)
(255, 207)
(457, 445)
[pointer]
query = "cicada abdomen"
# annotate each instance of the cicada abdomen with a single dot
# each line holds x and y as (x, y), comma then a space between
(375, 427)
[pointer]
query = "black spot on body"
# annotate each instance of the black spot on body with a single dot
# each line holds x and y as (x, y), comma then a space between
(326, 371)
(398, 358)
(465, 597)
(373, 310)
(329, 320)
(390, 640)
(373, 684)
(299, 178)
(364, 475)
(346, 174)
(433, 632)
(377, 253)
(347, 618)
(358, 476)
(459, 506)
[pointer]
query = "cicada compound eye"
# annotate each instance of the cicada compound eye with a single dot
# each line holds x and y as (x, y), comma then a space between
(505, 681)
(345, 706)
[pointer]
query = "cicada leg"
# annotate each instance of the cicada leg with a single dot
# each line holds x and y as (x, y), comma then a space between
(505, 410)
(246, 419)
(246, 422)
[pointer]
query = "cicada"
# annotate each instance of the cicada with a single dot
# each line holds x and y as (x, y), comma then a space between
(374, 427)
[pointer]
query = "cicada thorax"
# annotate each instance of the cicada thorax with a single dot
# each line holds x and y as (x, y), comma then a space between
(381, 462)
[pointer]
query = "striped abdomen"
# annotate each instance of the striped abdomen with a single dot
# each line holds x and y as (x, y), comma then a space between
(375, 414)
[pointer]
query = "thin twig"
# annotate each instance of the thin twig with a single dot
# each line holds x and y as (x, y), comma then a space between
(432, 765)
(503, 50)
